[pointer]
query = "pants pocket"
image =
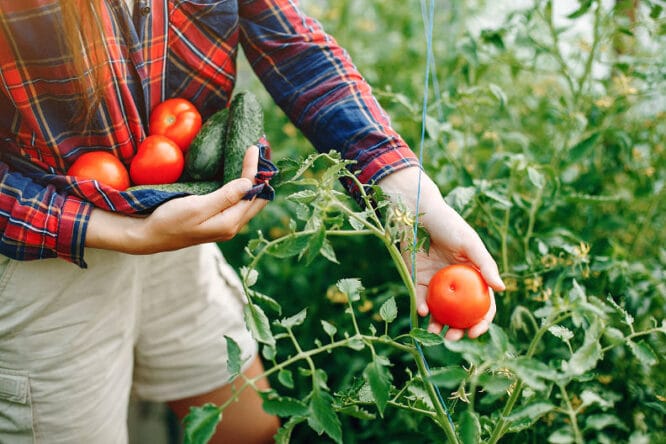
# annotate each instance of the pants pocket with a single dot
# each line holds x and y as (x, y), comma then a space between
(16, 424)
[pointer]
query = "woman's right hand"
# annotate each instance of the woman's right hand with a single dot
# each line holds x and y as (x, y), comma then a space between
(180, 222)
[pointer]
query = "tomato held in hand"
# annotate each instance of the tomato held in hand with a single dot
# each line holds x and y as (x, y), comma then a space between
(103, 167)
(458, 296)
(178, 119)
(158, 161)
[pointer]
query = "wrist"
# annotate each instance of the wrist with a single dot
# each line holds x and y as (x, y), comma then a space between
(112, 231)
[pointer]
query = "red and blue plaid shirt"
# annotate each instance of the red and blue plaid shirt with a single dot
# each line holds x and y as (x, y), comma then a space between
(166, 48)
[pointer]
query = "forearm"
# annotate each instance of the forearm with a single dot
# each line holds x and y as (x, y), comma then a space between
(113, 231)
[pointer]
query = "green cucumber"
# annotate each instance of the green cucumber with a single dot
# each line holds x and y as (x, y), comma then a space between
(203, 187)
(205, 156)
(245, 126)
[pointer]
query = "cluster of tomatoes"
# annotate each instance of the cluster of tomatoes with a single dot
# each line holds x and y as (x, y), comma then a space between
(160, 157)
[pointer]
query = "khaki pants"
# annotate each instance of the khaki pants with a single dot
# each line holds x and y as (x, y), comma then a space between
(75, 343)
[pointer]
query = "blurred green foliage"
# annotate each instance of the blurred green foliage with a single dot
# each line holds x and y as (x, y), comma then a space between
(551, 143)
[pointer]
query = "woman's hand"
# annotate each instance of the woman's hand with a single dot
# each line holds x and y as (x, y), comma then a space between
(181, 222)
(452, 241)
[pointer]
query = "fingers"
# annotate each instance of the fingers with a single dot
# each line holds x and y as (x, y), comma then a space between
(478, 254)
(483, 326)
(250, 163)
(226, 196)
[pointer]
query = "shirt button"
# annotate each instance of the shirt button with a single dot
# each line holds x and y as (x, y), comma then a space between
(145, 10)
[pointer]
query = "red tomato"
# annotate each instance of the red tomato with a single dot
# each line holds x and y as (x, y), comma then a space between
(177, 119)
(458, 296)
(158, 160)
(103, 167)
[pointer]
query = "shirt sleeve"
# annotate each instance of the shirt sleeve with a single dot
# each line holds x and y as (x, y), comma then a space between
(36, 222)
(314, 81)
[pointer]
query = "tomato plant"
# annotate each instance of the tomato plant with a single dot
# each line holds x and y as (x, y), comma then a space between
(158, 160)
(176, 118)
(103, 167)
(458, 296)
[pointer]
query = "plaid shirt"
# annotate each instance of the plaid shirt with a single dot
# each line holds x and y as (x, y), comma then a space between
(166, 48)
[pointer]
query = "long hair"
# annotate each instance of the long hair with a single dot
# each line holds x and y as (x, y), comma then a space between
(84, 37)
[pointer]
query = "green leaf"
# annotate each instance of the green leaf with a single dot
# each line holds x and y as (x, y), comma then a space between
(585, 358)
(426, 338)
(379, 379)
(303, 197)
(460, 197)
(495, 384)
(503, 202)
(582, 148)
(449, 377)
(563, 435)
(531, 412)
(323, 418)
(258, 324)
(643, 352)
(233, 357)
(584, 7)
(250, 275)
(315, 243)
(288, 246)
(469, 427)
(200, 423)
(265, 301)
(328, 252)
(329, 328)
(286, 378)
(351, 287)
(283, 435)
(532, 372)
(499, 94)
(293, 321)
(602, 421)
(561, 332)
(282, 406)
(357, 412)
(389, 310)
(536, 177)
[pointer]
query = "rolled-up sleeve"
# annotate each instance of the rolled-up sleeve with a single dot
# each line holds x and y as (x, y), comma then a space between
(37, 222)
(316, 84)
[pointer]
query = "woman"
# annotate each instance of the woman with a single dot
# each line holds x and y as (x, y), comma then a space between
(96, 302)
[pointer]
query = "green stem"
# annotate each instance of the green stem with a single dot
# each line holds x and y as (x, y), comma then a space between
(571, 413)
(500, 427)
(590, 59)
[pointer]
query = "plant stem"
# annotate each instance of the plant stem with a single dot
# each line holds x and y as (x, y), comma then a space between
(571, 413)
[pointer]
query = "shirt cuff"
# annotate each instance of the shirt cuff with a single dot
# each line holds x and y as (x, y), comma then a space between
(381, 166)
(72, 225)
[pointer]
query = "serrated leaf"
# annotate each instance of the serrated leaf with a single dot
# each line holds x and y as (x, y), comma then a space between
(532, 372)
(449, 377)
(323, 418)
(200, 423)
(265, 301)
(643, 352)
(315, 243)
(495, 384)
(460, 197)
(564, 435)
(389, 310)
(532, 412)
(304, 196)
(585, 358)
(283, 435)
(233, 357)
(258, 324)
(469, 427)
(561, 332)
(503, 201)
(499, 339)
(282, 406)
(351, 287)
(426, 338)
(357, 412)
(328, 252)
(379, 379)
(356, 344)
(288, 246)
(589, 398)
(293, 321)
